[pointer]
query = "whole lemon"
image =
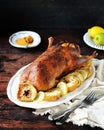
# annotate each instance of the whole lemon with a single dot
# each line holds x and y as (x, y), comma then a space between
(99, 39)
(93, 31)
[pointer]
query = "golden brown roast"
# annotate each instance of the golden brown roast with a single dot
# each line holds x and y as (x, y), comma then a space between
(58, 60)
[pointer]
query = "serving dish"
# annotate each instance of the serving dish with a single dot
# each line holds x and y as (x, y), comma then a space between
(13, 86)
(14, 37)
(87, 39)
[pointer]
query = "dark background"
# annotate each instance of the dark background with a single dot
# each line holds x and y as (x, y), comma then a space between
(31, 14)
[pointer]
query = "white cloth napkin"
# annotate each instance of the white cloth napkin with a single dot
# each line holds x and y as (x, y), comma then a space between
(92, 115)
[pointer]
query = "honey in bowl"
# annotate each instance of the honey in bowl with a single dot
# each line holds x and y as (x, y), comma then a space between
(24, 41)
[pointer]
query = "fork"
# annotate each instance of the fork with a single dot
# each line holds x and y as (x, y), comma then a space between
(61, 117)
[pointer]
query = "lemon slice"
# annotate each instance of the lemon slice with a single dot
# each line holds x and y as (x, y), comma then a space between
(63, 87)
(53, 94)
(79, 75)
(89, 72)
(84, 73)
(40, 97)
(73, 83)
(71, 86)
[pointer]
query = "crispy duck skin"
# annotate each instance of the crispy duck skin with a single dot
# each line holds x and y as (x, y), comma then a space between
(58, 60)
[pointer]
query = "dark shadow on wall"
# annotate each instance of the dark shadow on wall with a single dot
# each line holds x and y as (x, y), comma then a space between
(31, 14)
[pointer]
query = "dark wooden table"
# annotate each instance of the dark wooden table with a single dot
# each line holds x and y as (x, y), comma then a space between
(12, 59)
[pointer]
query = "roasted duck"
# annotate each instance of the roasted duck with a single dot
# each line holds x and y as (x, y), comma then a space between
(58, 60)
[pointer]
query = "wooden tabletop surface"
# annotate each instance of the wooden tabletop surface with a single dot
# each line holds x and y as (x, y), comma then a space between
(12, 59)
